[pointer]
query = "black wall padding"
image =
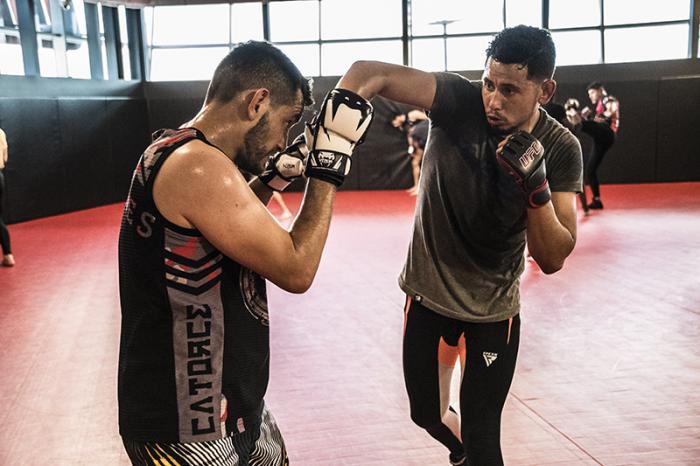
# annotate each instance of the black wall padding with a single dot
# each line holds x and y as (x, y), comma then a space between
(632, 157)
(85, 155)
(172, 112)
(68, 154)
(128, 137)
(679, 126)
(383, 162)
(74, 143)
(34, 173)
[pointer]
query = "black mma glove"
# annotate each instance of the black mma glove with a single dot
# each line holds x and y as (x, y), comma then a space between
(284, 167)
(333, 134)
(523, 156)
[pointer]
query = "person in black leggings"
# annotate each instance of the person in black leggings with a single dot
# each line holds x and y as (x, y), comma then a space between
(602, 125)
(7, 259)
(475, 211)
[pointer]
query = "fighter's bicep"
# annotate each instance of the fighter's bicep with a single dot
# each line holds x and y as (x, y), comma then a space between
(411, 86)
(240, 226)
(220, 204)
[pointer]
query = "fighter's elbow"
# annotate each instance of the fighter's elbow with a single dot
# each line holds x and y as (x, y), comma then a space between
(549, 265)
(297, 283)
(549, 268)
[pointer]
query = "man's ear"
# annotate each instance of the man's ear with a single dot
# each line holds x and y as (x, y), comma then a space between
(548, 88)
(258, 103)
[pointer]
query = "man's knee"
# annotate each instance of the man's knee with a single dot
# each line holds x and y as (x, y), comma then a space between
(425, 418)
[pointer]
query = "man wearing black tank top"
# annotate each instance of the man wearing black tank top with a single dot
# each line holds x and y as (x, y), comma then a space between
(196, 246)
(497, 172)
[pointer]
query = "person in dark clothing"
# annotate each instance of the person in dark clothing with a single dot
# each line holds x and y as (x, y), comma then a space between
(602, 125)
(196, 247)
(416, 126)
(8, 260)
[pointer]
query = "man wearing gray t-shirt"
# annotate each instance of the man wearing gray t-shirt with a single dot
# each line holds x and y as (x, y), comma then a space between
(497, 172)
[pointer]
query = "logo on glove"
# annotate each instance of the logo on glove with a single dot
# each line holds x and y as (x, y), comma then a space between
(326, 159)
(529, 156)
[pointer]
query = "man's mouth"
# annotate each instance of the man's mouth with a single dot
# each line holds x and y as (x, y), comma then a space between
(493, 119)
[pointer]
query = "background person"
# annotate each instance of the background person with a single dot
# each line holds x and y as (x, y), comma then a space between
(8, 259)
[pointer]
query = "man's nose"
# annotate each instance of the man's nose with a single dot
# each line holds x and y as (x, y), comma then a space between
(495, 101)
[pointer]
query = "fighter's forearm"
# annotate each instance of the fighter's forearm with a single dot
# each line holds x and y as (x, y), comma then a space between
(310, 229)
(366, 78)
(549, 241)
(395, 82)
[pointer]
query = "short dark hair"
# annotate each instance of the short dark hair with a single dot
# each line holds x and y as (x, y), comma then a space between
(255, 64)
(595, 85)
(526, 46)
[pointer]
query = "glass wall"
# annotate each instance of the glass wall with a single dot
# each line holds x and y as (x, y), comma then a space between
(10, 48)
(450, 35)
(614, 31)
(323, 37)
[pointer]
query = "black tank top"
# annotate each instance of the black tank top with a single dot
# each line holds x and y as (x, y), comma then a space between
(194, 352)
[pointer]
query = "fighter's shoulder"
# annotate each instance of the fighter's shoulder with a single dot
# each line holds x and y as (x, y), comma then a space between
(448, 78)
(198, 164)
(559, 138)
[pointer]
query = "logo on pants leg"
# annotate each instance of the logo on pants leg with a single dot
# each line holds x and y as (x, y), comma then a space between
(489, 358)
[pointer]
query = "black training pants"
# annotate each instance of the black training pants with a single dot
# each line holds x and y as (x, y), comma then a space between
(4, 234)
(603, 139)
(491, 352)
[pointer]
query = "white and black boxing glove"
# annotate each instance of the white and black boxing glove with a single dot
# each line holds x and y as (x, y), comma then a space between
(523, 157)
(334, 133)
(284, 167)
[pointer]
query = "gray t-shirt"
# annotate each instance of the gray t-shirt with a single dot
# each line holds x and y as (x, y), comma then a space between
(466, 255)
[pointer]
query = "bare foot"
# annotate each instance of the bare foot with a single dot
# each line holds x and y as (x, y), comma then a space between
(8, 260)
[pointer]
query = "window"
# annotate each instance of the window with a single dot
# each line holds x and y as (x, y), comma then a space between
(467, 53)
(527, 12)
(191, 25)
(11, 61)
(567, 14)
(631, 11)
(294, 21)
(428, 54)
(464, 17)
(336, 58)
(304, 56)
(633, 30)
(339, 20)
(77, 54)
(78, 59)
(246, 22)
(173, 64)
(124, 38)
(577, 47)
(459, 23)
(47, 60)
(646, 43)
